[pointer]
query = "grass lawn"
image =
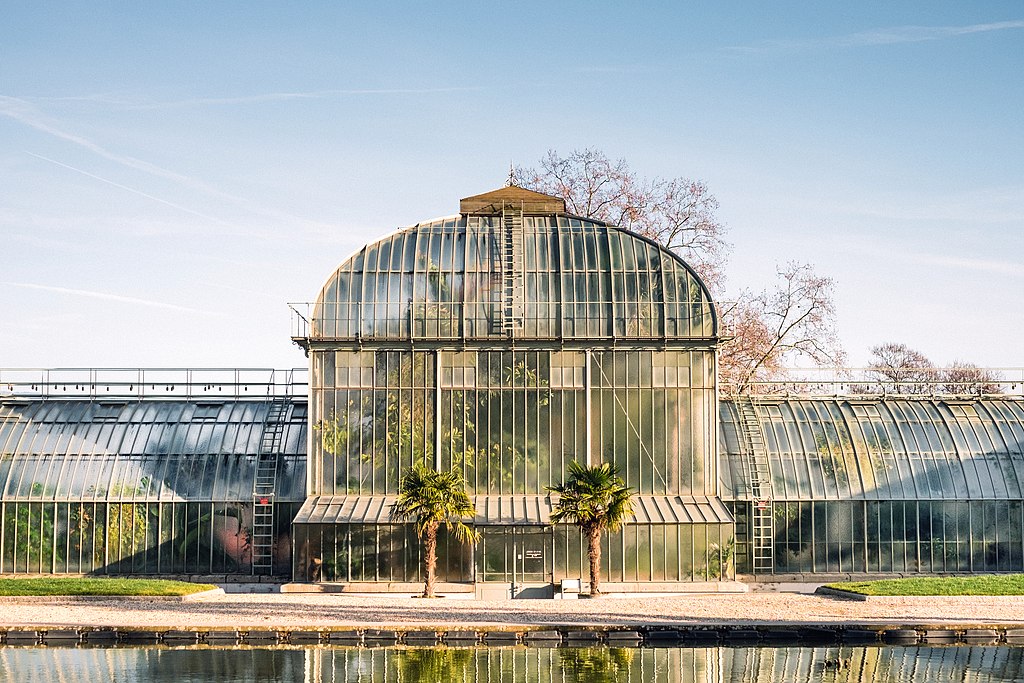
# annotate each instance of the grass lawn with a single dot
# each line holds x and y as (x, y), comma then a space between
(994, 584)
(80, 586)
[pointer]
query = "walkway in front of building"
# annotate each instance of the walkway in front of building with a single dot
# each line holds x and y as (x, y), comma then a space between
(338, 611)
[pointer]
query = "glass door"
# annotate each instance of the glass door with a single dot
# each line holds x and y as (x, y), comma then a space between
(516, 555)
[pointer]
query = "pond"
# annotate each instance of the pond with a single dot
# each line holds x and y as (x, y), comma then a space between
(520, 664)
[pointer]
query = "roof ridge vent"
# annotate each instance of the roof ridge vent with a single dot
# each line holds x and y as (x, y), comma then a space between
(512, 195)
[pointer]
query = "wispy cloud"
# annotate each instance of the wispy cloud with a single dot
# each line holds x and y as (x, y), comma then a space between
(244, 290)
(881, 249)
(259, 98)
(611, 69)
(137, 103)
(883, 36)
(106, 297)
(24, 112)
(154, 198)
(44, 242)
(973, 207)
(992, 267)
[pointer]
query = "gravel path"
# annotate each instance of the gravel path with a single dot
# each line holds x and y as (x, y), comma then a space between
(291, 611)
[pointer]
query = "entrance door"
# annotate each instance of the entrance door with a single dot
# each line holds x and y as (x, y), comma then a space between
(516, 555)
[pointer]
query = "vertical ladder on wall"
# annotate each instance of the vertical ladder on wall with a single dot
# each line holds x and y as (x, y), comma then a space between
(265, 485)
(762, 525)
(513, 277)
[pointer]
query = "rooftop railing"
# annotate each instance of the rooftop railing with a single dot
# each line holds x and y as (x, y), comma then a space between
(137, 383)
(216, 383)
(482, 319)
(949, 382)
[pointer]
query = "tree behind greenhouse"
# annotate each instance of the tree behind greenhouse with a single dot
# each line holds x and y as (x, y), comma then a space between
(767, 330)
(898, 369)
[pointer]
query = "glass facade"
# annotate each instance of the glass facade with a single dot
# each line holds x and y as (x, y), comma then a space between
(886, 485)
(506, 344)
(512, 420)
(141, 486)
(579, 279)
(637, 554)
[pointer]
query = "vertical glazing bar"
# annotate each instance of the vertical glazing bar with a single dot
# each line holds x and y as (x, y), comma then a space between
(379, 458)
(53, 540)
(679, 551)
(538, 421)
(867, 541)
(588, 390)
(650, 549)
(159, 536)
(1020, 525)
(437, 410)
(502, 393)
(106, 536)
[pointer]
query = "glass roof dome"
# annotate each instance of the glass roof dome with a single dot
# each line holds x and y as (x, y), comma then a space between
(513, 265)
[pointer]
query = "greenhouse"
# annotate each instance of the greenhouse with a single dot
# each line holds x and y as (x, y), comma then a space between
(505, 342)
(150, 472)
(873, 485)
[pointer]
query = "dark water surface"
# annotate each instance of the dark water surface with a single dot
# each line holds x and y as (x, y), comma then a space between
(514, 664)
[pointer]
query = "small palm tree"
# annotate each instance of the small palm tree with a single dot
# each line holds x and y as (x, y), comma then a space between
(594, 499)
(431, 498)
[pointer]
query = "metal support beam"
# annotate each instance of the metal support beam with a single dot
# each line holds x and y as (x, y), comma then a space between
(588, 390)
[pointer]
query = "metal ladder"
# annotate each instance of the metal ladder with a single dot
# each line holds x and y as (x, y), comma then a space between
(762, 524)
(265, 485)
(513, 277)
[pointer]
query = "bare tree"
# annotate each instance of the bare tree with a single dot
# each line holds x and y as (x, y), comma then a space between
(898, 369)
(678, 213)
(967, 378)
(794, 320)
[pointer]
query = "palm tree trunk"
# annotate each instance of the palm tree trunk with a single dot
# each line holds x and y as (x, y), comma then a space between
(429, 558)
(594, 554)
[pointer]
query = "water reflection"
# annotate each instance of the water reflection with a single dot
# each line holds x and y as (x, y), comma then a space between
(522, 665)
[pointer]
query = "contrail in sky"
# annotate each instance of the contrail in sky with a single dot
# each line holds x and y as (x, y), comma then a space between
(107, 297)
(179, 207)
(285, 96)
(23, 112)
(884, 36)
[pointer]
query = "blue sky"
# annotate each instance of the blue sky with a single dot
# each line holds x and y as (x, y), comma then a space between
(171, 174)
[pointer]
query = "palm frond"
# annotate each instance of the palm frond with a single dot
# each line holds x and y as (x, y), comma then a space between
(593, 496)
(427, 496)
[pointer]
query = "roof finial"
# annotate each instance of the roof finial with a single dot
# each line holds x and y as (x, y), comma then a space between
(512, 178)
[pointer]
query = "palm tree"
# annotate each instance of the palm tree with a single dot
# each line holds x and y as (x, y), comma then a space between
(594, 499)
(431, 498)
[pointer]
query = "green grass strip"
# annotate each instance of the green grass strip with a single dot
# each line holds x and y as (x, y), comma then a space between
(82, 586)
(990, 584)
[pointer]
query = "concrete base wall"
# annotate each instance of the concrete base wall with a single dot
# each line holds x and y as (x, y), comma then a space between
(503, 591)
(191, 578)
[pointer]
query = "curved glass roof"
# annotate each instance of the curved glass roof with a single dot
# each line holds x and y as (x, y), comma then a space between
(819, 449)
(927, 449)
(552, 276)
(143, 450)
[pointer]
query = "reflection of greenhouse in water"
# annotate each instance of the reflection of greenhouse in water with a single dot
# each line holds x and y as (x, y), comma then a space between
(505, 342)
(995, 664)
